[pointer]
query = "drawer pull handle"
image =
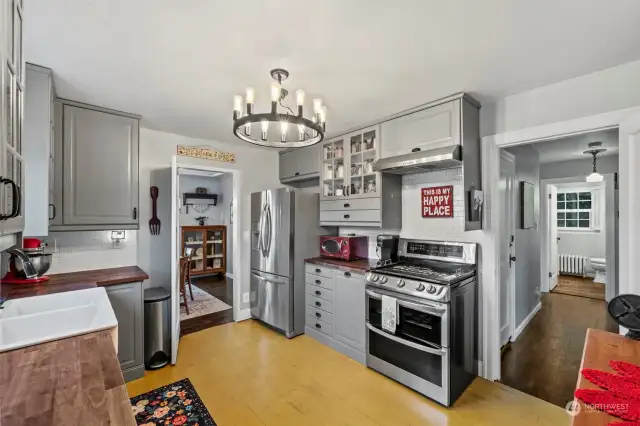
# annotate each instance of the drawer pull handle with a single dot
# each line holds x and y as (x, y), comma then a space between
(318, 315)
(347, 274)
(317, 281)
(318, 325)
(318, 270)
(347, 205)
(346, 216)
(318, 304)
(318, 292)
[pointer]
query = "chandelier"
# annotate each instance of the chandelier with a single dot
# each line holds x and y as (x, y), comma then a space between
(595, 148)
(277, 129)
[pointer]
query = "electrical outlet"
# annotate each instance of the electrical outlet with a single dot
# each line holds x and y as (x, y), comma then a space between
(245, 297)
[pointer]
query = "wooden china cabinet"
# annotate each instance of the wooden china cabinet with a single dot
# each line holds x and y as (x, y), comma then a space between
(210, 244)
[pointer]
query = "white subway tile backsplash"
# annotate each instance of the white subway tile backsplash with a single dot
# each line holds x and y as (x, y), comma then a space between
(413, 224)
(86, 250)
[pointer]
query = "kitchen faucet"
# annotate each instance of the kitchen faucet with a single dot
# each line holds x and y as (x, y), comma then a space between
(27, 266)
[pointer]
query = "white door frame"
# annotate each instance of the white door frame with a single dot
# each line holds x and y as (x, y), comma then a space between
(629, 249)
(510, 198)
(235, 208)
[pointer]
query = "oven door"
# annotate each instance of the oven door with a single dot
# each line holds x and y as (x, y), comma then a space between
(410, 356)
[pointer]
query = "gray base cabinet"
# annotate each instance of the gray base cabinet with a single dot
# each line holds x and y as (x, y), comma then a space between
(336, 309)
(127, 303)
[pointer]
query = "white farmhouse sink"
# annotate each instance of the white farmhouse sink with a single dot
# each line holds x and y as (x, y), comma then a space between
(34, 320)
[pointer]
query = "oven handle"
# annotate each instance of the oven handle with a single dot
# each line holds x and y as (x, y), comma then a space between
(428, 309)
(441, 352)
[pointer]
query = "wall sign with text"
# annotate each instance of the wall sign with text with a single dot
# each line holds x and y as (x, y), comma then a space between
(206, 153)
(437, 201)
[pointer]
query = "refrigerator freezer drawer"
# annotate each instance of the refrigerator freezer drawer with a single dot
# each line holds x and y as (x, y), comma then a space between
(271, 300)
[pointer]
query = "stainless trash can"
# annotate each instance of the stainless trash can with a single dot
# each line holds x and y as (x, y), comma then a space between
(157, 327)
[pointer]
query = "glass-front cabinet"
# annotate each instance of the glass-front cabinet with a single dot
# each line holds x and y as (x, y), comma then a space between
(333, 169)
(347, 165)
(12, 78)
(206, 246)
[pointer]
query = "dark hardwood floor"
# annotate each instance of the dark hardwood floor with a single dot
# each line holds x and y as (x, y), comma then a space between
(545, 360)
(220, 288)
(578, 286)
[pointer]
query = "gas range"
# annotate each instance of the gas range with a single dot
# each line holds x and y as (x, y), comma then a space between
(426, 269)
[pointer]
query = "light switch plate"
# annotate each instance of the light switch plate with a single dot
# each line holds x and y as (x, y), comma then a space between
(245, 297)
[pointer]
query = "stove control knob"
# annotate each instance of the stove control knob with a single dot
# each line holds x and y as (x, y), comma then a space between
(432, 289)
(383, 280)
(400, 283)
(375, 278)
(420, 287)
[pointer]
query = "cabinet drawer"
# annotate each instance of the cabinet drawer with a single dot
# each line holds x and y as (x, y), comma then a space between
(320, 281)
(350, 216)
(320, 292)
(323, 271)
(316, 302)
(351, 204)
(320, 325)
(319, 314)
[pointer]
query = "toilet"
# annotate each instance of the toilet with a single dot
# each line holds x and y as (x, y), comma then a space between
(599, 265)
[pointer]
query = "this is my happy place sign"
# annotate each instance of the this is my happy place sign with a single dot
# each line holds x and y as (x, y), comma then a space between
(437, 201)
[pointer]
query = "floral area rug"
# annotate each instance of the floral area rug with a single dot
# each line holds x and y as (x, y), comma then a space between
(172, 405)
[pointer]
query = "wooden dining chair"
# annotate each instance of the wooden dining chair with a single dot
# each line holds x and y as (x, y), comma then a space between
(189, 252)
(184, 271)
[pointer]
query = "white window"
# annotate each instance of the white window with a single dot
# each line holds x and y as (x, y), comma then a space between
(575, 210)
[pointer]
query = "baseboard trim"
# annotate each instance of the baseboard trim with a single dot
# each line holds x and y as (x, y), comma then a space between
(243, 314)
(526, 322)
(230, 275)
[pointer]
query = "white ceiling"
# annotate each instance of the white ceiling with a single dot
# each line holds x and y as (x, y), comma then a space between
(179, 63)
(573, 147)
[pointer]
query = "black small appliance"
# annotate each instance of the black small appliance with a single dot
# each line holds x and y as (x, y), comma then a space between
(387, 249)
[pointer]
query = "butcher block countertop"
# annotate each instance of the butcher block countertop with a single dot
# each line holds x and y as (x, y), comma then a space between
(601, 347)
(361, 265)
(75, 381)
(75, 281)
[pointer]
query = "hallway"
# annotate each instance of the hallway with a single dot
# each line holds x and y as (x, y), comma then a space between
(545, 360)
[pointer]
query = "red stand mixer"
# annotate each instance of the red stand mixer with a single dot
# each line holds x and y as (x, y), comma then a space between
(28, 266)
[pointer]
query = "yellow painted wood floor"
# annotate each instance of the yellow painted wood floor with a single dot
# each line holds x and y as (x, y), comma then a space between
(249, 375)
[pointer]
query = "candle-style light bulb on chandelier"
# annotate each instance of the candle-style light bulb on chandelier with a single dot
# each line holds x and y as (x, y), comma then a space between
(595, 148)
(307, 131)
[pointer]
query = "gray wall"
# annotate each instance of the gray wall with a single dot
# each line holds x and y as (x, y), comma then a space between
(527, 284)
(582, 167)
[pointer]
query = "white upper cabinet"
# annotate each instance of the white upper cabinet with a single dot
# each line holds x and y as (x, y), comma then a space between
(432, 127)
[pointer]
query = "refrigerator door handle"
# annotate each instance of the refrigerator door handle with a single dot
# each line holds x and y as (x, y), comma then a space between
(271, 280)
(261, 230)
(269, 225)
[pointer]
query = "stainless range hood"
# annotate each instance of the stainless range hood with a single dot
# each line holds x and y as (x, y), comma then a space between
(447, 157)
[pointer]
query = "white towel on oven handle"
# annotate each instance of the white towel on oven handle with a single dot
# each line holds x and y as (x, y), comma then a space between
(389, 313)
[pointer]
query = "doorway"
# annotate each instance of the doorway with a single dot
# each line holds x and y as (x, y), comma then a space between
(170, 245)
(558, 260)
(206, 244)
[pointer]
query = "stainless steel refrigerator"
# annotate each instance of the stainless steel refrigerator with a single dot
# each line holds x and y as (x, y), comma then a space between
(284, 231)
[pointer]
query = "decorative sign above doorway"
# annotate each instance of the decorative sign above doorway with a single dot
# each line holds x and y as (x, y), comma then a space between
(206, 153)
(437, 201)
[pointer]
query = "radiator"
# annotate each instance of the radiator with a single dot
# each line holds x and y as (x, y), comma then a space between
(572, 264)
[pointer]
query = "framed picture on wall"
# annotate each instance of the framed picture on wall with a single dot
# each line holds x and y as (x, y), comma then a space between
(527, 205)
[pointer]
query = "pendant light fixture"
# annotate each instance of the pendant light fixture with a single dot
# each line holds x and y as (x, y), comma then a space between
(595, 148)
(306, 131)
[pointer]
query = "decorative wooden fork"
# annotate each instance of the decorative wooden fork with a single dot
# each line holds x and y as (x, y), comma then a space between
(154, 222)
